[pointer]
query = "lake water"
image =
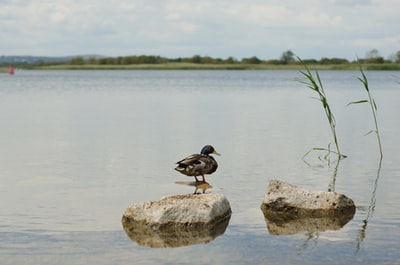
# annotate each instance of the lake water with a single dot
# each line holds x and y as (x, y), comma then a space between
(79, 147)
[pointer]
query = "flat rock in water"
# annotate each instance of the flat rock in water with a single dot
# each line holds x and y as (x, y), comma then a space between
(180, 210)
(287, 201)
(177, 220)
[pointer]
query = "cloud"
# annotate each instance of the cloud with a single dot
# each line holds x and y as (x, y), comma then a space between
(351, 3)
(319, 20)
(183, 28)
(265, 14)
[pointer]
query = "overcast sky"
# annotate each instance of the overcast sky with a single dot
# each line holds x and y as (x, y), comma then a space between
(217, 28)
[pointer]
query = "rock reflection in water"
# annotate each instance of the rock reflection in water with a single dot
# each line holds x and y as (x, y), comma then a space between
(175, 236)
(280, 224)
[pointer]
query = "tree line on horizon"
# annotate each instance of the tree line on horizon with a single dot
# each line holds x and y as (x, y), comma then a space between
(287, 57)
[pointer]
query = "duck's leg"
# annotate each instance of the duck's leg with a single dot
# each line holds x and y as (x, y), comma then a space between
(204, 179)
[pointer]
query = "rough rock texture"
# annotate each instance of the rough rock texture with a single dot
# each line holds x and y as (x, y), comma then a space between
(283, 200)
(178, 210)
(289, 209)
(177, 220)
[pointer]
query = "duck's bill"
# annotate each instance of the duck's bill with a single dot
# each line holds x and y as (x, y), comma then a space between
(216, 153)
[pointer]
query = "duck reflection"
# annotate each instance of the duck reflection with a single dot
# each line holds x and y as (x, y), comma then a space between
(281, 224)
(198, 185)
(172, 237)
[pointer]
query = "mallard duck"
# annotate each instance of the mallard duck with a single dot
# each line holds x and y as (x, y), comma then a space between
(199, 164)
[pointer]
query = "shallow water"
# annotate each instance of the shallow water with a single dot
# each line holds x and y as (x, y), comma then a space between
(78, 147)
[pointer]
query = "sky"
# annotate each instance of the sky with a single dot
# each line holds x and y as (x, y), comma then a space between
(312, 29)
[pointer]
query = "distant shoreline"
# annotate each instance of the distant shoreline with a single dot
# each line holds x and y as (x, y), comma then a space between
(194, 66)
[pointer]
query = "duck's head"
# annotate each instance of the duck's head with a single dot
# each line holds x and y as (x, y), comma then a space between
(208, 149)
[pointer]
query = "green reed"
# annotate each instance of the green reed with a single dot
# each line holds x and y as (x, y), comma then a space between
(315, 84)
(363, 79)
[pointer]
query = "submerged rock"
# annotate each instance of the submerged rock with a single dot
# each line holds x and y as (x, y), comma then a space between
(289, 209)
(177, 220)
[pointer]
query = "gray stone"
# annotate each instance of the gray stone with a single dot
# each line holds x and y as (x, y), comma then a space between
(287, 201)
(177, 220)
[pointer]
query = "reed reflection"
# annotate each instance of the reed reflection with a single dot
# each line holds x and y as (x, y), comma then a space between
(371, 208)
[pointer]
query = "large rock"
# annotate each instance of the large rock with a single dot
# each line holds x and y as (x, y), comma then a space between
(181, 210)
(177, 220)
(291, 201)
(289, 209)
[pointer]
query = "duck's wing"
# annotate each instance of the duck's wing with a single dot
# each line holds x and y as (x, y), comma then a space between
(189, 160)
(193, 165)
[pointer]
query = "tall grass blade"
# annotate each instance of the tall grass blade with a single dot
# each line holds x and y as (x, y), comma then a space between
(315, 84)
(357, 102)
(363, 79)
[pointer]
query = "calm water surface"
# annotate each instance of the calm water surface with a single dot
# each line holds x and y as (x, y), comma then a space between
(78, 147)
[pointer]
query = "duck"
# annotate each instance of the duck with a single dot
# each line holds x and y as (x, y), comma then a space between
(199, 164)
